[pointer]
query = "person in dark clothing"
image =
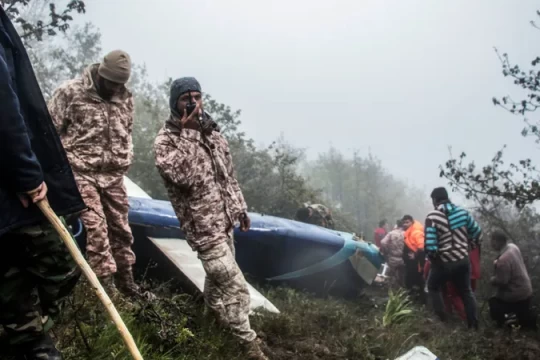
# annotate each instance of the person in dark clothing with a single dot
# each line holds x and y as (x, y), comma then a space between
(36, 269)
(513, 284)
(450, 233)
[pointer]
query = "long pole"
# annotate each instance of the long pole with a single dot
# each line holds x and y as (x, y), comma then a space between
(49, 213)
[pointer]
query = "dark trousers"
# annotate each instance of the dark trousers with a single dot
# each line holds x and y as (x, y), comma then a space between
(36, 274)
(499, 308)
(459, 274)
(414, 280)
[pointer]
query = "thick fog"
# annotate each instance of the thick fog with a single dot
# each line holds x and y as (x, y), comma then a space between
(402, 79)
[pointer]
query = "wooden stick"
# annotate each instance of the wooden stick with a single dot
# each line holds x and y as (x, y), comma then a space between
(45, 207)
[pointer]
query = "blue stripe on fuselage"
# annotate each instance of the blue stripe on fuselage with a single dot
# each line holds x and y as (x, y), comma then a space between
(349, 249)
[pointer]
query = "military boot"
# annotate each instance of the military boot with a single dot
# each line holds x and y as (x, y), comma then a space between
(108, 284)
(127, 286)
(40, 349)
(253, 350)
(125, 282)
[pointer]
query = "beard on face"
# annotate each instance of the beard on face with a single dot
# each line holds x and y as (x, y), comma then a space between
(103, 91)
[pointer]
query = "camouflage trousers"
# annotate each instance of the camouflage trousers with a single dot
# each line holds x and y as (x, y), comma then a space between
(226, 291)
(36, 274)
(108, 235)
(396, 276)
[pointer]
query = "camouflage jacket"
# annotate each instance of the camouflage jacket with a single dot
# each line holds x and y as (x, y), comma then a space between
(392, 248)
(199, 177)
(321, 216)
(95, 133)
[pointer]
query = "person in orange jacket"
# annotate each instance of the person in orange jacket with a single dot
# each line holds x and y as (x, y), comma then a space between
(414, 256)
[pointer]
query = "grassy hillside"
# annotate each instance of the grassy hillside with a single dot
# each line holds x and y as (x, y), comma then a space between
(178, 327)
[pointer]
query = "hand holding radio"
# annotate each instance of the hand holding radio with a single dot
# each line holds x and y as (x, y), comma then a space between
(194, 117)
(191, 112)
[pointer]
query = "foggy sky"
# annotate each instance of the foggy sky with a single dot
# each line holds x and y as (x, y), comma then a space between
(403, 79)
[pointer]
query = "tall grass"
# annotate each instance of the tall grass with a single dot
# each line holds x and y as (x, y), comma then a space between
(373, 327)
(398, 308)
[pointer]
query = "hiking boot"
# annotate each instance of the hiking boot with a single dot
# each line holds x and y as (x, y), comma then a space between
(125, 282)
(127, 286)
(253, 350)
(40, 349)
(108, 284)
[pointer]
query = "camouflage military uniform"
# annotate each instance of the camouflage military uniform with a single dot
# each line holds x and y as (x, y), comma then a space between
(321, 216)
(225, 289)
(36, 274)
(107, 219)
(96, 135)
(198, 174)
(392, 250)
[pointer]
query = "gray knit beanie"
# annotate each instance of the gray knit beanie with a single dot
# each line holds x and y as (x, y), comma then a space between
(180, 87)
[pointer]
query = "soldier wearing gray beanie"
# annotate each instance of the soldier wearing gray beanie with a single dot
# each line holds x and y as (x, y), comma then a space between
(178, 88)
(186, 151)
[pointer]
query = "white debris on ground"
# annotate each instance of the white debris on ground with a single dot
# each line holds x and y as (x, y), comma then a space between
(418, 353)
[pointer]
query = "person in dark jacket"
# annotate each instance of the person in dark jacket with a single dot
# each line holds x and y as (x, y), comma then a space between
(36, 270)
(450, 234)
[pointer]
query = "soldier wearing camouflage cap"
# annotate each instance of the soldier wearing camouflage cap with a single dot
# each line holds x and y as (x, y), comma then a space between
(94, 117)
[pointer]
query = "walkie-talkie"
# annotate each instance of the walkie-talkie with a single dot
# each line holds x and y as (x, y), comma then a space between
(206, 126)
(190, 107)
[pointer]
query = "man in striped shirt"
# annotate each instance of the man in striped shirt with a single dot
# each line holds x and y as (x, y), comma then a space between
(451, 233)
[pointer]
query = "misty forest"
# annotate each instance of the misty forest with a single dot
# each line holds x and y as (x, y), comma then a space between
(278, 178)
